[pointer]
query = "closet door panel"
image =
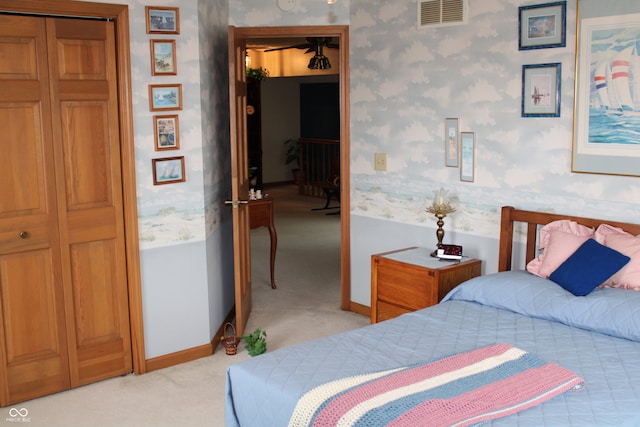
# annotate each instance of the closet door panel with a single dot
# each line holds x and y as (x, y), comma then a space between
(90, 204)
(97, 307)
(87, 168)
(33, 343)
(33, 346)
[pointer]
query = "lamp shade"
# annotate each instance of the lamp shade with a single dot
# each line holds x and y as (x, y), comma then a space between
(319, 62)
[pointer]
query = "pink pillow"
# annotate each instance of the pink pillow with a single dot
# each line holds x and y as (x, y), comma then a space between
(560, 247)
(605, 230)
(629, 276)
(563, 225)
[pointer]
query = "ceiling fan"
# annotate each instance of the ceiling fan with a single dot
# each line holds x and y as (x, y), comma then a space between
(314, 44)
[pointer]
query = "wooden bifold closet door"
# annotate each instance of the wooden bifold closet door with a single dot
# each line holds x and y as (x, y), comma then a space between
(63, 284)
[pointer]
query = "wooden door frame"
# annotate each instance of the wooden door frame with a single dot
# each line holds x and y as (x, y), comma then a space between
(341, 32)
(120, 15)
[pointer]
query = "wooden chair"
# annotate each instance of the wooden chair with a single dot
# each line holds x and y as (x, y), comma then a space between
(331, 186)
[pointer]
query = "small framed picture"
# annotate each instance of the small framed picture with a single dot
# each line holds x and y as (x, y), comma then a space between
(467, 156)
(165, 97)
(543, 25)
(451, 142)
(163, 58)
(168, 170)
(162, 20)
(541, 90)
(166, 132)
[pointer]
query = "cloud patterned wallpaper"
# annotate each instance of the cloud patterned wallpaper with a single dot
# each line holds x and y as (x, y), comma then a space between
(403, 87)
(264, 13)
(405, 81)
(214, 99)
(192, 210)
(172, 213)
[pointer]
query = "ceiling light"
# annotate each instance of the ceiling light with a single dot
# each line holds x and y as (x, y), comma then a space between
(331, 1)
(319, 61)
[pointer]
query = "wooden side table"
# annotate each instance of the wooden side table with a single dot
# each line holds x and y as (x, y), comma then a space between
(261, 215)
(409, 279)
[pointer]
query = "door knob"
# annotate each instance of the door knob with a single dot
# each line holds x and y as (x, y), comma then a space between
(23, 234)
(235, 203)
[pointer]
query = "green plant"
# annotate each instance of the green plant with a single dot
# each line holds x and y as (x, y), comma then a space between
(256, 342)
(293, 151)
(257, 73)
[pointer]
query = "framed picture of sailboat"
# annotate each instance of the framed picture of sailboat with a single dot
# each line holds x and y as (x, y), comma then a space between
(606, 137)
(541, 90)
(165, 97)
(168, 170)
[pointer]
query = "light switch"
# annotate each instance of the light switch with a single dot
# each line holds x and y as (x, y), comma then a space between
(380, 161)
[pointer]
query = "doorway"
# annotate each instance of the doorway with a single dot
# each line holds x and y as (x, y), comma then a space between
(340, 32)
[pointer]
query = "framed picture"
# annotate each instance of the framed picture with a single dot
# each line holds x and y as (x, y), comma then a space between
(165, 97)
(163, 58)
(451, 142)
(541, 90)
(162, 20)
(607, 106)
(166, 132)
(467, 156)
(543, 25)
(168, 170)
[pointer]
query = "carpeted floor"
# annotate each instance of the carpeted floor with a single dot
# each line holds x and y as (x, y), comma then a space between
(305, 306)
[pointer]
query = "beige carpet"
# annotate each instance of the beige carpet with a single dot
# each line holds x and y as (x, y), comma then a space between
(305, 306)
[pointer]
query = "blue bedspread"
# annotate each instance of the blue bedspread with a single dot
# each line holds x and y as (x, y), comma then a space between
(597, 337)
(463, 389)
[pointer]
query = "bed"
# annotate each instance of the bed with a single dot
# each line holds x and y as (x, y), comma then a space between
(595, 337)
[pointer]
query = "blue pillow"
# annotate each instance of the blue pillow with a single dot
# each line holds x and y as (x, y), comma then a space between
(589, 266)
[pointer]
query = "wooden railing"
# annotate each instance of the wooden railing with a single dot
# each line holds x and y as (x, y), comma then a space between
(319, 160)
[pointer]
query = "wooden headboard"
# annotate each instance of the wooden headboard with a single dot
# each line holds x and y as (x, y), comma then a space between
(511, 215)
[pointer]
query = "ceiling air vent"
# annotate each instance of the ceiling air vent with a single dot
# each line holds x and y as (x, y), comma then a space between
(440, 13)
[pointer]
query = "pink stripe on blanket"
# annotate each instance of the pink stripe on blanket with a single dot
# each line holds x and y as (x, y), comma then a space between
(494, 400)
(339, 406)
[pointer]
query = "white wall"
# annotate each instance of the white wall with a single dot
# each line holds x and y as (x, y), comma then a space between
(280, 122)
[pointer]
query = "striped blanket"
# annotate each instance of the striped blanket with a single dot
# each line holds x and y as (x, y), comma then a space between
(459, 390)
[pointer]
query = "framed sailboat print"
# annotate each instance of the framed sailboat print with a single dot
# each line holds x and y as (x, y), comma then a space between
(541, 90)
(168, 170)
(606, 118)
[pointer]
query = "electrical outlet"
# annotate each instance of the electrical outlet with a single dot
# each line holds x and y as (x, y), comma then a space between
(380, 161)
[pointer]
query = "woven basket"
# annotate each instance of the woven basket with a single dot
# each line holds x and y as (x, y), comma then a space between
(230, 343)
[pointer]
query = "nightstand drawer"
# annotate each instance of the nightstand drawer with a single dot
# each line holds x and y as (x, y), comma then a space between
(406, 287)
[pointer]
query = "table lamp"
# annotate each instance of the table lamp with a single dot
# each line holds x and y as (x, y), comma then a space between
(440, 207)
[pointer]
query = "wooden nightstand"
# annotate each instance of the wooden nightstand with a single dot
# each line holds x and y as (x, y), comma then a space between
(409, 279)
